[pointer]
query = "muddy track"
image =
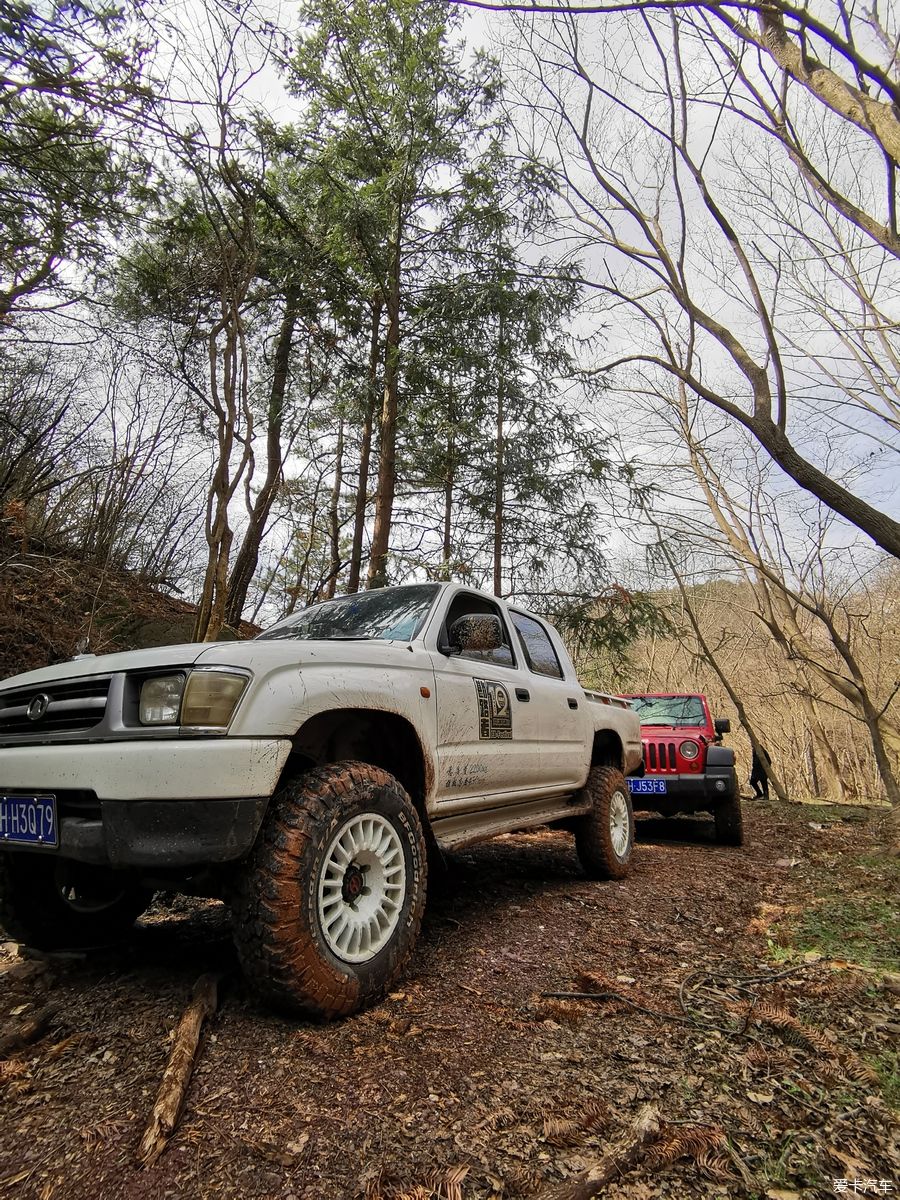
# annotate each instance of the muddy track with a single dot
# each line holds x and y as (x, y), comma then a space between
(464, 1076)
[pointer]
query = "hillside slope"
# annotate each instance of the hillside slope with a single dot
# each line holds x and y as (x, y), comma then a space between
(50, 603)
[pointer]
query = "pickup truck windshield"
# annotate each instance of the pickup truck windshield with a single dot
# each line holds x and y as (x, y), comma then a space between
(669, 710)
(391, 614)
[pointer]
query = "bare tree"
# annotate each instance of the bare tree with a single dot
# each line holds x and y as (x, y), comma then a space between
(659, 120)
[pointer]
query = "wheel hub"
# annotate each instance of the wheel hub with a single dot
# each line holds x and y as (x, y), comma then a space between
(618, 824)
(354, 884)
(361, 887)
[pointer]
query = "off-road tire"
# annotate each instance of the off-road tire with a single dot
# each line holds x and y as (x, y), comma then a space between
(606, 787)
(35, 912)
(729, 822)
(277, 928)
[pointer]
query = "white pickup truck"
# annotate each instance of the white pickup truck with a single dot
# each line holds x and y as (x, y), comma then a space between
(303, 777)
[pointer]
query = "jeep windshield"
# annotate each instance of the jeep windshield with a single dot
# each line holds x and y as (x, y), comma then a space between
(389, 614)
(669, 710)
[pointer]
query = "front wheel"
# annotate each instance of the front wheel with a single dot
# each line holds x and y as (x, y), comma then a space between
(329, 905)
(604, 837)
(729, 822)
(50, 903)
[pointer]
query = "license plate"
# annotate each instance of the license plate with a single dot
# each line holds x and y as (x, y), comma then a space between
(645, 786)
(29, 820)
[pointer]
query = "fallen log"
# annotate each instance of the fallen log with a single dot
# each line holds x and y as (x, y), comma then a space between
(176, 1078)
(28, 1032)
(618, 1159)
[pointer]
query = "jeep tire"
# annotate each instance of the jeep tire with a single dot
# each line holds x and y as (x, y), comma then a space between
(729, 821)
(328, 906)
(50, 903)
(604, 837)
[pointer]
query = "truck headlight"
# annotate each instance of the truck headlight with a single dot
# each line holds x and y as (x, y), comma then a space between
(211, 697)
(161, 699)
(689, 750)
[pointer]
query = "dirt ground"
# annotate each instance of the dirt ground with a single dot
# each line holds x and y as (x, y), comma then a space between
(466, 1083)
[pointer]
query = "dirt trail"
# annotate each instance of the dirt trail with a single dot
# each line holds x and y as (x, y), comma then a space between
(465, 1078)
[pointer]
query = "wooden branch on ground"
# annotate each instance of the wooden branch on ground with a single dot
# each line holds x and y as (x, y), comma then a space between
(28, 1032)
(177, 1075)
(620, 1157)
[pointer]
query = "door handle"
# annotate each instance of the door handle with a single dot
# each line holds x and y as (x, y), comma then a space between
(523, 694)
(573, 703)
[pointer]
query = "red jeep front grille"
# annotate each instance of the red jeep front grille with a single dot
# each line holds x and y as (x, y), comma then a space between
(659, 756)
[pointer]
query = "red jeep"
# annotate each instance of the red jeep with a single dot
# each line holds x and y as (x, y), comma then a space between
(685, 769)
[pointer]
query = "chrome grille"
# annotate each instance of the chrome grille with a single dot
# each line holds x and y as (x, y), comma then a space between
(76, 705)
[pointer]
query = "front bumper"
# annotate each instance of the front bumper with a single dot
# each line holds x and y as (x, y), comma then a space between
(159, 804)
(687, 793)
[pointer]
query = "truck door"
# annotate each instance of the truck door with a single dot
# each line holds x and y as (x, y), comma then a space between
(487, 727)
(559, 705)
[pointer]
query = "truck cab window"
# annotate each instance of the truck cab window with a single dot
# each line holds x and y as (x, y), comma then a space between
(539, 652)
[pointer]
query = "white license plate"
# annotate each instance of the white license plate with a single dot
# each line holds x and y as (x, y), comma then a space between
(29, 820)
(644, 787)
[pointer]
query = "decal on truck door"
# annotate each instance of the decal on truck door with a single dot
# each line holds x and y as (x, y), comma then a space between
(494, 712)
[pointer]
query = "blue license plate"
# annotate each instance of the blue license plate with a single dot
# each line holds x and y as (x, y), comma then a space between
(644, 786)
(29, 820)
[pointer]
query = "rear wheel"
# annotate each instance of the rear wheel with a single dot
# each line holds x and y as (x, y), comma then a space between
(329, 905)
(604, 837)
(52, 903)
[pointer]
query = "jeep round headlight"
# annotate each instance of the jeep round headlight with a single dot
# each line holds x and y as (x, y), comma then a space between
(689, 750)
(161, 699)
(211, 697)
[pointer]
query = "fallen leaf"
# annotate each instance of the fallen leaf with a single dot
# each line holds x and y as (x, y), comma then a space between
(761, 1097)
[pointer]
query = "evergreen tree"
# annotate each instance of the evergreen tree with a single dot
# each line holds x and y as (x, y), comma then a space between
(393, 116)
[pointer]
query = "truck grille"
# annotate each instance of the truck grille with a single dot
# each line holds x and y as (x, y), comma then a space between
(659, 756)
(77, 704)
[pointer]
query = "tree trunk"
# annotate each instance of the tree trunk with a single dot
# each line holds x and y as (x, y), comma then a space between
(449, 481)
(825, 769)
(224, 397)
(499, 463)
(334, 514)
(365, 450)
(387, 448)
(777, 785)
(447, 550)
(248, 554)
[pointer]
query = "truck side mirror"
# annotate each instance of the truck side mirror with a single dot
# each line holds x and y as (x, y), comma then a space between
(722, 725)
(475, 631)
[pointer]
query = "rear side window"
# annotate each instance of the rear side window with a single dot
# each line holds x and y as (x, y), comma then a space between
(539, 652)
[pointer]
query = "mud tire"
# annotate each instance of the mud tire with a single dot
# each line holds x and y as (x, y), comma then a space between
(35, 912)
(607, 788)
(277, 929)
(729, 822)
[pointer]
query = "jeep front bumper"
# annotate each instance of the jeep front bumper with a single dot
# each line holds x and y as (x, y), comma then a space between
(687, 793)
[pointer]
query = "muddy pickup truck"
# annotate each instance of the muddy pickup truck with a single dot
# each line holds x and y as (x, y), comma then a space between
(303, 777)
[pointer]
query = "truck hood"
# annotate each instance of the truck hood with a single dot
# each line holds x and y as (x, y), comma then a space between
(258, 657)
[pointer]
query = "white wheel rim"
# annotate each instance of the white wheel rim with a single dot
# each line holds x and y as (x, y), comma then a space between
(618, 824)
(362, 884)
